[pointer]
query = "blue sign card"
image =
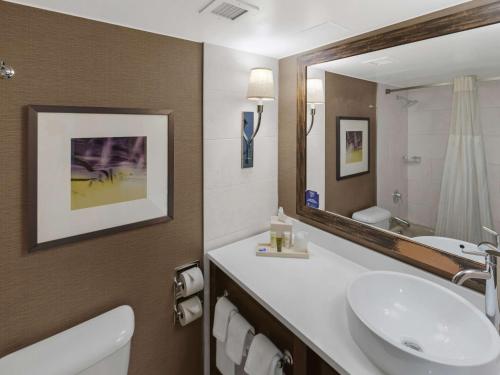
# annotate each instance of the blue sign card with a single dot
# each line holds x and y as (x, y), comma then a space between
(312, 199)
(247, 147)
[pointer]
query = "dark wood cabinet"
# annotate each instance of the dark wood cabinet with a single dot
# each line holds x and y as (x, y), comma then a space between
(305, 360)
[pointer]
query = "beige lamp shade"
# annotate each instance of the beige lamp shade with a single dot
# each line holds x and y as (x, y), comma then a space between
(261, 84)
(315, 92)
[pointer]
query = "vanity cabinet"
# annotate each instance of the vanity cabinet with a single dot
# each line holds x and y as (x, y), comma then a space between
(305, 360)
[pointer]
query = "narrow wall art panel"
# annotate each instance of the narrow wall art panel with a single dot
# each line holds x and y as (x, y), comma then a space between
(94, 171)
(247, 128)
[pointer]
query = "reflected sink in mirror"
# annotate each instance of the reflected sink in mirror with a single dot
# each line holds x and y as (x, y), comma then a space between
(451, 245)
(408, 325)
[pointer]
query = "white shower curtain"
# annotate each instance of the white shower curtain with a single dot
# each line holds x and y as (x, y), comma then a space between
(464, 205)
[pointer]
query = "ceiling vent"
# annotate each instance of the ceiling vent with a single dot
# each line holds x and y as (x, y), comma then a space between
(380, 61)
(228, 9)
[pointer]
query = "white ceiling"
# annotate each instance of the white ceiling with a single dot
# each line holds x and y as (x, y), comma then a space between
(437, 60)
(280, 28)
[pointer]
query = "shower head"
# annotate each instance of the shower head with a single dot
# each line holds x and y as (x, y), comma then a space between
(6, 71)
(407, 103)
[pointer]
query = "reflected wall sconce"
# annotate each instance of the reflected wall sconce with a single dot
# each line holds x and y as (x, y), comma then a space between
(6, 71)
(315, 96)
(260, 89)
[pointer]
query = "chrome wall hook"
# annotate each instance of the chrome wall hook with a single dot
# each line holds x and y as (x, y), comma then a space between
(225, 294)
(6, 71)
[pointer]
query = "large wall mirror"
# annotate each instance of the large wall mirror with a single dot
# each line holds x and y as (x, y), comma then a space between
(400, 142)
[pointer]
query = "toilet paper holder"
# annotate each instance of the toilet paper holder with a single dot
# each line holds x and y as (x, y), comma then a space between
(178, 287)
(178, 315)
(178, 284)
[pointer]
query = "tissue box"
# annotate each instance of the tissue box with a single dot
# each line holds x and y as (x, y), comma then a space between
(279, 226)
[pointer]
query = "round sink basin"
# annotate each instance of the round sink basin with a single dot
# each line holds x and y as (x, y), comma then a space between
(408, 325)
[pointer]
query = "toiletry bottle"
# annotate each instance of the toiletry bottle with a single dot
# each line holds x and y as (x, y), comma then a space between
(279, 241)
(281, 215)
(287, 239)
(273, 240)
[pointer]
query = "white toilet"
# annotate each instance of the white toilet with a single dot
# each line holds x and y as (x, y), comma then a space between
(376, 216)
(99, 346)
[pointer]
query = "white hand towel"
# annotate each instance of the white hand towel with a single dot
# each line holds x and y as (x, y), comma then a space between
(240, 370)
(276, 368)
(262, 357)
(237, 331)
(224, 309)
(222, 361)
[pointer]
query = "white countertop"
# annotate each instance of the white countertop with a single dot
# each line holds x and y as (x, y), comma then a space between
(306, 295)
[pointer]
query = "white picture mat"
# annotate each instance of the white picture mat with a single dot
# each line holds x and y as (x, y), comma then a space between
(55, 219)
(353, 125)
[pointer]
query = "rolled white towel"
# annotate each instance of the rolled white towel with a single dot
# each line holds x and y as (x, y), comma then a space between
(263, 357)
(223, 363)
(276, 368)
(224, 309)
(237, 332)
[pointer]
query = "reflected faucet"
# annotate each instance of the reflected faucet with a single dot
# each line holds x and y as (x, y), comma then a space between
(491, 253)
(401, 221)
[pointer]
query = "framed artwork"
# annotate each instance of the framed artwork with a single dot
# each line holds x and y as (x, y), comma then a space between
(353, 146)
(94, 171)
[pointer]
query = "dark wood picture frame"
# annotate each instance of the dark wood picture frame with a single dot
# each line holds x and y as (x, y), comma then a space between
(476, 14)
(32, 143)
(338, 144)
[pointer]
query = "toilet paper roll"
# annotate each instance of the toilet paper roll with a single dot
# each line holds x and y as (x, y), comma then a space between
(192, 280)
(191, 310)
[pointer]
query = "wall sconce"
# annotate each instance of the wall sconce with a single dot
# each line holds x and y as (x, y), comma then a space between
(260, 88)
(6, 71)
(315, 96)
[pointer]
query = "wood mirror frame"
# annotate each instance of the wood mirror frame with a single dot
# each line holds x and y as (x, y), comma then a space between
(401, 248)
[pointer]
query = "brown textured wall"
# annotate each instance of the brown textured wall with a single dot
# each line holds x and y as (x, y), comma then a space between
(287, 134)
(349, 97)
(64, 60)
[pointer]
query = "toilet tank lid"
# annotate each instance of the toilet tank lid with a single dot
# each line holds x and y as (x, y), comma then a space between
(76, 349)
(372, 215)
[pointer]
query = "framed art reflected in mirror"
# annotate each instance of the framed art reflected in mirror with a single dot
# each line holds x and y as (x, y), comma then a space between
(353, 146)
(379, 159)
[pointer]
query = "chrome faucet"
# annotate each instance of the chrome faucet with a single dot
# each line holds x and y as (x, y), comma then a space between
(491, 253)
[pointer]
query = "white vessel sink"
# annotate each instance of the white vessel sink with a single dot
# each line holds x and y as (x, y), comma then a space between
(408, 325)
(450, 245)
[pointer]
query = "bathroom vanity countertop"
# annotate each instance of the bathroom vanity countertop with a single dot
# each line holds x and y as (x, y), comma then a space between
(305, 295)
